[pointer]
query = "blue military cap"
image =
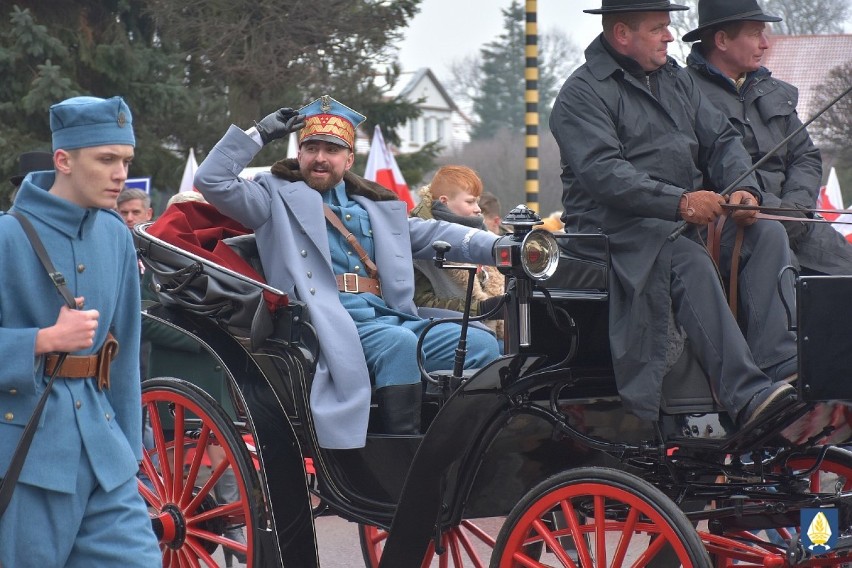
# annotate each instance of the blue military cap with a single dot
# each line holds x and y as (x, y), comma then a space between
(81, 122)
(330, 120)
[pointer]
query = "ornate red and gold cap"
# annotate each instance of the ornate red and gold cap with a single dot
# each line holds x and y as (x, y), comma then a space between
(331, 121)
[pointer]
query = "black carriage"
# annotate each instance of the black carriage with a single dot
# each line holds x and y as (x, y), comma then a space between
(539, 436)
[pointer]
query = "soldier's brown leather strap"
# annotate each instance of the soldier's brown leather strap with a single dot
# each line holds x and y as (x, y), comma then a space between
(353, 242)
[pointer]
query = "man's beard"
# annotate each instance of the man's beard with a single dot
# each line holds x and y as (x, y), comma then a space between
(320, 185)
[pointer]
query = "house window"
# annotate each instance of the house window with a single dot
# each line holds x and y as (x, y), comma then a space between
(412, 131)
(426, 124)
(440, 133)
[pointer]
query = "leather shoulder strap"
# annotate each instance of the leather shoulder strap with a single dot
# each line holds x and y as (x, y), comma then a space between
(335, 221)
(16, 464)
(55, 276)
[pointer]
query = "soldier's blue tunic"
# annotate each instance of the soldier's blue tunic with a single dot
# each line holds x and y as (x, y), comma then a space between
(86, 449)
(388, 336)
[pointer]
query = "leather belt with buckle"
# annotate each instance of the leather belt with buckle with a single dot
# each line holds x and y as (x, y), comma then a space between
(355, 284)
(85, 366)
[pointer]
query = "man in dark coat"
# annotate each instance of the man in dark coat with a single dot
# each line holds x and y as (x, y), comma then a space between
(634, 135)
(725, 64)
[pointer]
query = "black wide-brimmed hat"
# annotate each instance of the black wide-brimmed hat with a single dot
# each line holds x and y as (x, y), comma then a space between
(615, 6)
(31, 162)
(715, 12)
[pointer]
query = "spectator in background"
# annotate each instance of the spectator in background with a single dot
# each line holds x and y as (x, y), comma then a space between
(552, 222)
(185, 196)
(454, 196)
(134, 206)
(489, 205)
(30, 162)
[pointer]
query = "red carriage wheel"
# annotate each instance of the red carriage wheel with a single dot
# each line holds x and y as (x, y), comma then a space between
(465, 546)
(743, 549)
(613, 519)
(190, 428)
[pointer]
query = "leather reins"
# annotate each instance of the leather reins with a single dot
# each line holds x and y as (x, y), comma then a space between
(714, 235)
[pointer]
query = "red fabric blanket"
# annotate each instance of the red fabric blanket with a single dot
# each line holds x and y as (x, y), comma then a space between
(199, 228)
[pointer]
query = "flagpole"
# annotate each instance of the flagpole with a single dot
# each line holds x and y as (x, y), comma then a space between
(531, 100)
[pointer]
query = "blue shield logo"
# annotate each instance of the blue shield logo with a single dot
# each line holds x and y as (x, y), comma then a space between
(819, 529)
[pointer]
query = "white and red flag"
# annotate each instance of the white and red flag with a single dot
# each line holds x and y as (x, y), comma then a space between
(186, 182)
(382, 169)
(830, 196)
(843, 222)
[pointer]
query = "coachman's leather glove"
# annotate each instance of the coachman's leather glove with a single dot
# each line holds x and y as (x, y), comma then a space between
(700, 207)
(279, 124)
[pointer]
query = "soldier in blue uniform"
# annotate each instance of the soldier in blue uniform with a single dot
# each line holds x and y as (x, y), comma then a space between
(76, 502)
(365, 316)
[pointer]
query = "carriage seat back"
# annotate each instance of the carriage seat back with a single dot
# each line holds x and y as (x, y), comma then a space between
(246, 247)
(194, 268)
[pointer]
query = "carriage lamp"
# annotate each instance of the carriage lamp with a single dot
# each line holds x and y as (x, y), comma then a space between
(539, 255)
(521, 219)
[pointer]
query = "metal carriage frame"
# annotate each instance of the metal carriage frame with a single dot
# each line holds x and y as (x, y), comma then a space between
(539, 436)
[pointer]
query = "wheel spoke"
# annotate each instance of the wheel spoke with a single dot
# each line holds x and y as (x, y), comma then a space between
(581, 544)
(468, 546)
(654, 548)
(553, 543)
(626, 537)
(208, 486)
(476, 531)
(600, 531)
(162, 452)
(195, 466)
(177, 453)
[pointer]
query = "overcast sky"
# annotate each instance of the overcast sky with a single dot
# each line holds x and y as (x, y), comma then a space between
(448, 30)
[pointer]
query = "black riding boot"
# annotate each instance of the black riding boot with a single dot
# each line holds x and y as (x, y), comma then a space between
(399, 408)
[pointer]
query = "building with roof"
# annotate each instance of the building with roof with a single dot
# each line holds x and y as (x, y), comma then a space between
(441, 119)
(805, 61)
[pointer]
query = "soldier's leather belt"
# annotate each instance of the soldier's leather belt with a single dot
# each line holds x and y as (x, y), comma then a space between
(85, 366)
(351, 282)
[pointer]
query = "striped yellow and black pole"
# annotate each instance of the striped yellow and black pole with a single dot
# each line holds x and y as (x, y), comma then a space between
(531, 100)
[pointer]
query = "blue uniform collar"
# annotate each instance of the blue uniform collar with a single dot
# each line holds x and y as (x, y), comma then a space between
(34, 200)
(336, 195)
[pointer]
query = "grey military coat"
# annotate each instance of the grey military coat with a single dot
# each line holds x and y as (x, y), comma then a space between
(765, 114)
(292, 240)
(627, 158)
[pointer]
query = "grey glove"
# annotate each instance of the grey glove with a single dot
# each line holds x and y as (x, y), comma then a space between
(279, 124)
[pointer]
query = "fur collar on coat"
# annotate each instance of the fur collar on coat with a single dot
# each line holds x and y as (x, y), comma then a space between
(288, 170)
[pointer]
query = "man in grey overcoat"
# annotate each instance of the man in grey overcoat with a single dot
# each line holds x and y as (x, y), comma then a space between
(634, 135)
(359, 294)
(726, 66)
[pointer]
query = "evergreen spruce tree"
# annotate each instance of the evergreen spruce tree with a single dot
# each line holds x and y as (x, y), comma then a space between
(500, 101)
(498, 83)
